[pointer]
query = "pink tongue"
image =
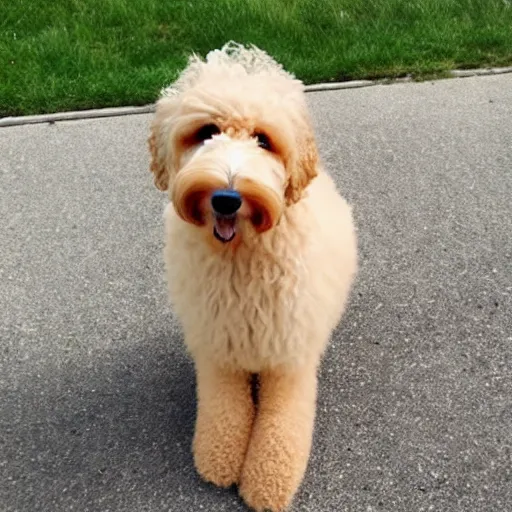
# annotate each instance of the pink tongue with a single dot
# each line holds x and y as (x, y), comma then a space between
(225, 228)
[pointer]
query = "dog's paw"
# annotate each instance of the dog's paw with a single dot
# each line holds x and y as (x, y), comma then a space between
(218, 463)
(261, 497)
(219, 453)
(271, 474)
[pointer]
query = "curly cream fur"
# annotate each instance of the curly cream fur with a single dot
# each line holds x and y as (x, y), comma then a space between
(266, 303)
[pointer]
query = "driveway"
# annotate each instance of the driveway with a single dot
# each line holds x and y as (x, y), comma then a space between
(97, 400)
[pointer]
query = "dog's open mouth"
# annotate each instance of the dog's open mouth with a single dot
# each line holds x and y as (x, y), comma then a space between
(224, 228)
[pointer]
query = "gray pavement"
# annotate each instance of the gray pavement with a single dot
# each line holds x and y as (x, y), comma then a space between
(415, 405)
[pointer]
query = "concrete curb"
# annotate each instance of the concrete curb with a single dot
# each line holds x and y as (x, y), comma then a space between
(75, 115)
(147, 109)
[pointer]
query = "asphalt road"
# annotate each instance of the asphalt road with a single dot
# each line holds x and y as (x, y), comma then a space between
(415, 406)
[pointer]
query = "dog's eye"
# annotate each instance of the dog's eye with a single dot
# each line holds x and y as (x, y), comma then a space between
(206, 132)
(263, 141)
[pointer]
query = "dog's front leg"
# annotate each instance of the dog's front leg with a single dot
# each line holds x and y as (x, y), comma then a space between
(281, 439)
(225, 413)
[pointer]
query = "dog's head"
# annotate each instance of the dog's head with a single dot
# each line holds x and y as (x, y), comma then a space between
(232, 142)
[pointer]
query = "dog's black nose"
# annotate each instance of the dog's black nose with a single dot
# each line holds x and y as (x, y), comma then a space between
(226, 201)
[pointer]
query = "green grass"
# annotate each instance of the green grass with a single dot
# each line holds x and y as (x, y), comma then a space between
(59, 55)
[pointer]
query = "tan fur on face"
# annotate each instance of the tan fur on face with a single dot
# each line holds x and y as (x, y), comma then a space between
(225, 163)
(267, 302)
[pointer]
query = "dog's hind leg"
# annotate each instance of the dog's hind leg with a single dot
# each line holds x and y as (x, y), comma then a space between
(225, 413)
(281, 438)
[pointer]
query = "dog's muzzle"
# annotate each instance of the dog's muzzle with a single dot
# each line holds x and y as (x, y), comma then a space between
(225, 204)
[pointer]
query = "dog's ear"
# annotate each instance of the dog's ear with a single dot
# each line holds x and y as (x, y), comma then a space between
(158, 141)
(304, 166)
(158, 166)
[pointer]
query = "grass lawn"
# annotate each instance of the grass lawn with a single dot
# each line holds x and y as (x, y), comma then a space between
(59, 55)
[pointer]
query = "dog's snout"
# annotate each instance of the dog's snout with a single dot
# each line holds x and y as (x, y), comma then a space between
(226, 201)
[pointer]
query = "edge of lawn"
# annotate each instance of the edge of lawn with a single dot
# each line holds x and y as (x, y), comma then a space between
(147, 109)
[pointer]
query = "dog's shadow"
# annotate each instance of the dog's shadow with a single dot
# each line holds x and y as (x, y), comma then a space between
(112, 430)
(114, 434)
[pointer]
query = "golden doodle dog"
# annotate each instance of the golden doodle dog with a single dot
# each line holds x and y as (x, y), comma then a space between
(260, 257)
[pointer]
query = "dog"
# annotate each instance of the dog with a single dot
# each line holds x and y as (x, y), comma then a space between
(260, 257)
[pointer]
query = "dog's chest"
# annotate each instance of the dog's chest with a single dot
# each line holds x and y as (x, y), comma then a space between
(240, 311)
